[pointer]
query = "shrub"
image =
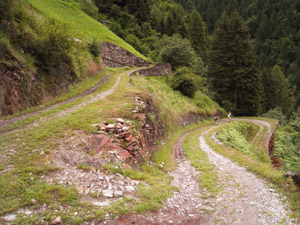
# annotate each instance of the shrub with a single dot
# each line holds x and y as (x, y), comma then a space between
(89, 8)
(276, 113)
(287, 149)
(94, 48)
(180, 53)
(185, 81)
(234, 136)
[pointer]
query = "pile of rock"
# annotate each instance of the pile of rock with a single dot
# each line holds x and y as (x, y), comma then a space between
(95, 182)
(117, 139)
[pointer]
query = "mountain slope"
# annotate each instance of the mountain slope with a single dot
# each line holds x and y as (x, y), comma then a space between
(83, 26)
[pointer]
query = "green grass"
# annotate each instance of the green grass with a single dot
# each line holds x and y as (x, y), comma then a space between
(29, 165)
(75, 90)
(262, 169)
(172, 104)
(84, 27)
(208, 177)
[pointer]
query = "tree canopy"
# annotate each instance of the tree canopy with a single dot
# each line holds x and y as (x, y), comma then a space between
(232, 70)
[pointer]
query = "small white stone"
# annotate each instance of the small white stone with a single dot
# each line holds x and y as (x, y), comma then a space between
(129, 188)
(28, 212)
(10, 217)
(108, 193)
(110, 126)
(119, 120)
(118, 193)
(125, 128)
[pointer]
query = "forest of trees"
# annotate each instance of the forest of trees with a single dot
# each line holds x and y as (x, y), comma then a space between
(247, 50)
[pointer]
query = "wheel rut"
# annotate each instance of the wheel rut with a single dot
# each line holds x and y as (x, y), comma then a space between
(85, 93)
(245, 199)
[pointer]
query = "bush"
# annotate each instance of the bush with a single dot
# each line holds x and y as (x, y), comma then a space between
(180, 53)
(54, 45)
(94, 48)
(89, 8)
(276, 113)
(287, 149)
(6, 9)
(234, 136)
(185, 81)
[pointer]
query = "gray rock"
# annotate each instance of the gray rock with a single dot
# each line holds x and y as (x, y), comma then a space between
(108, 193)
(119, 120)
(10, 217)
(129, 188)
(118, 193)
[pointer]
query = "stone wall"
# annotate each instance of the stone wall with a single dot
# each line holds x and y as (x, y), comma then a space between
(158, 70)
(115, 56)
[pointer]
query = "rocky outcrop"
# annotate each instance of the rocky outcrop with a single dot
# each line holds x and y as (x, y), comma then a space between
(22, 87)
(158, 70)
(121, 137)
(115, 56)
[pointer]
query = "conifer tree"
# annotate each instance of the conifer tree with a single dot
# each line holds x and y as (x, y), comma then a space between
(197, 33)
(278, 91)
(236, 81)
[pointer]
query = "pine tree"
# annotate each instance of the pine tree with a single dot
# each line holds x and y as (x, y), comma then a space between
(197, 33)
(278, 91)
(236, 81)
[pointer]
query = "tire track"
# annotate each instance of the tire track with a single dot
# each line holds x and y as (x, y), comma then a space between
(85, 93)
(246, 199)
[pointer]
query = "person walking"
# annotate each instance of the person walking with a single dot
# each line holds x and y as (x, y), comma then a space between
(216, 119)
(228, 116)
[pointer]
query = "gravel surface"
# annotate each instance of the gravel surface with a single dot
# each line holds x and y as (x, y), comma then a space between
(245, 199)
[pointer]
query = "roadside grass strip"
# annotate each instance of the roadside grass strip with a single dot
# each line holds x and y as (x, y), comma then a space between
(75, 90)
(21, 178)
(265, 170)
(208, 176)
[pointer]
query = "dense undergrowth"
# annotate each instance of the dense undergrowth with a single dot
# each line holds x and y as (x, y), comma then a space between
(286, 145)
(235, 136)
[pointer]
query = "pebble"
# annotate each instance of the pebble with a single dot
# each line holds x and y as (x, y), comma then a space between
(108, 193)
(129, 188)
(10, 217)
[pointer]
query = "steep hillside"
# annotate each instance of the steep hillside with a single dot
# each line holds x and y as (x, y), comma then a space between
(83, 26)
(47, 46)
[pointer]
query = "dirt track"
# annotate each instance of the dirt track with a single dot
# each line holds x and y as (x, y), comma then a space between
(87, 92)
(245, 199)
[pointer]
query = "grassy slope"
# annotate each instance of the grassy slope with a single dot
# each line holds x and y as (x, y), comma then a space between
(84, 27)
(19, 188)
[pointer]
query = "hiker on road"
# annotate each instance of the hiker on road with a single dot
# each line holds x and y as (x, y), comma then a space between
(229, 116)
(216, 119)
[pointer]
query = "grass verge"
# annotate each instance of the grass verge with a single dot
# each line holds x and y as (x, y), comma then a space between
(208, 177)
(262, 169)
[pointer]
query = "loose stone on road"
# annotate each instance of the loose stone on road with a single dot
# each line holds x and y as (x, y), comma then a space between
(246, 199)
